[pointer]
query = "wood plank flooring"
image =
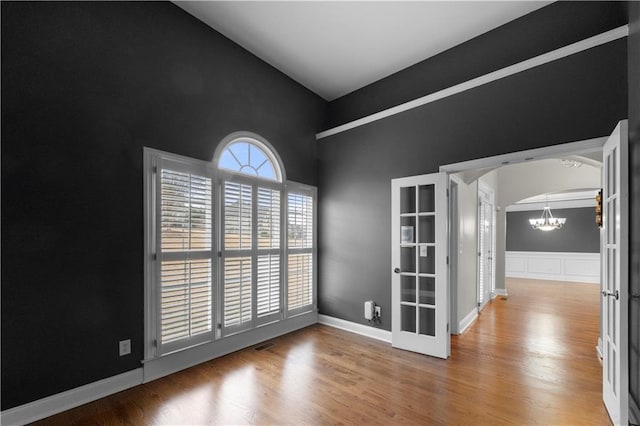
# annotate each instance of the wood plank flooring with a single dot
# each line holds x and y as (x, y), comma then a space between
(529, 359)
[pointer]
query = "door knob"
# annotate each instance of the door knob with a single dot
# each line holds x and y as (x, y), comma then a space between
(607, 293)
(397, 270)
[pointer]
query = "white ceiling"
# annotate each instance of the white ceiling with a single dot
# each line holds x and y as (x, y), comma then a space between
(336, 47)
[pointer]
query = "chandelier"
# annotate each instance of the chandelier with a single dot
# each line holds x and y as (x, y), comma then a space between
(547, 222)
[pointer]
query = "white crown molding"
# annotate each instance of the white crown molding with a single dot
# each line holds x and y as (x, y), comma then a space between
(545, 58)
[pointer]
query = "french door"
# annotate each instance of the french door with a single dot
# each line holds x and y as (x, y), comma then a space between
(420, 298)
(615, 285)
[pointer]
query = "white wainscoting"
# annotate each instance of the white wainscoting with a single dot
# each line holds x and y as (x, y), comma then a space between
(577, 267)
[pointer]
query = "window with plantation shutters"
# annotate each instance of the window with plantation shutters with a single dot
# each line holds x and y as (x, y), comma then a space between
(300, 250)
(229, 247)
(183, 255)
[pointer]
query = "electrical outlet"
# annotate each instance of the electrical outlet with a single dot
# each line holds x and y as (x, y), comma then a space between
(125, 347)
(377, 310)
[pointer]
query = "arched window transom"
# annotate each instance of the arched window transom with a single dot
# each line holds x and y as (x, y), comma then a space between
(250, 157)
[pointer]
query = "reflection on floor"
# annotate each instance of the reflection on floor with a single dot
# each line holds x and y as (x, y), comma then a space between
(529, 359)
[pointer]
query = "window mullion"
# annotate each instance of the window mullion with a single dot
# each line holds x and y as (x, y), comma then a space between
(254, 255)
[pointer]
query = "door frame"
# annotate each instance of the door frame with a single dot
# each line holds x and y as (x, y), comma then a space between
(586, 146)
(489, 193)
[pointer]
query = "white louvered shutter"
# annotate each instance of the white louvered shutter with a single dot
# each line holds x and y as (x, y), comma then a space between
(251, 254)
(184, 256)
(300, 251)
(269, 255)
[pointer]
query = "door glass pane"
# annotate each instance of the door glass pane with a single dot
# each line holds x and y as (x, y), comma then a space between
(428, 321)
(407, 230)
(408, 199)
(427, 200)
(408, 318)
(427, 290)
(612, 172)
(427, 260)
(407, 289)
(427, 229)
(408, 259)
(611, 221)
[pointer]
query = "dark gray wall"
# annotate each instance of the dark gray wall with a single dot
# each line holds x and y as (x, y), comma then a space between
(579, 97)
(580, 234)
(539, 32)
(634, 167)
(84, 87)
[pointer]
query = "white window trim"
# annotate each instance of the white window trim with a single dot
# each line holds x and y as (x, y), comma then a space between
(151, 161)
(159, 364)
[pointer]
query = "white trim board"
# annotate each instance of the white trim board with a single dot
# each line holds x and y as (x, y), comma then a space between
(469, 319)
(575, 267)
(54, 404)
(554, 55)
(567, 204)
(363, 330)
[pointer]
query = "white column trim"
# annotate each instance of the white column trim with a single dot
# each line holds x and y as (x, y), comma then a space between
(54, 404)
(363, 330)
(554, 55)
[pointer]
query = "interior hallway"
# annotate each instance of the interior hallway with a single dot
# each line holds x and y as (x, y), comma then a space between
(529, 359)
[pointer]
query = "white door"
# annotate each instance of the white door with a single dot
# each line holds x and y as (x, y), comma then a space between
(485, 247)
(615, 203)
(419, 281)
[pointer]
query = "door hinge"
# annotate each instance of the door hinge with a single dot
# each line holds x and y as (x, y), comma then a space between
(155, 256)
(219, 326)
(155, 169)
(447, 192)
(447, 260)
(447, 327)
(154, 343)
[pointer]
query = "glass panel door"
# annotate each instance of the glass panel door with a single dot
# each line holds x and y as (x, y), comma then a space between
(419, 253)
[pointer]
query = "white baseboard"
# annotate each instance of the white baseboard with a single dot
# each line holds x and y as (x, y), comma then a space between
(634, 411)
(499, 292)
(467, 320)
(67, 400)
(575, 267)
(364, 330)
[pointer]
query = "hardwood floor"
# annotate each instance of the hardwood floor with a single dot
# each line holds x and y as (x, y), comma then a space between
(529, 359)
